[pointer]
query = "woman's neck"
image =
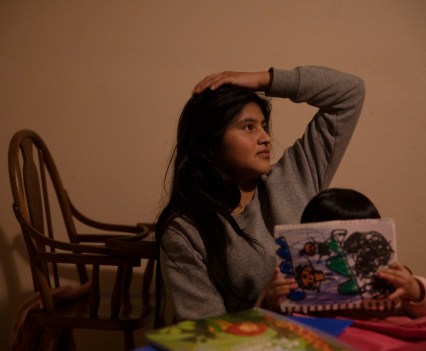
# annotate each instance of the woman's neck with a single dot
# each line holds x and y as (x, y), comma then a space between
(247, 196)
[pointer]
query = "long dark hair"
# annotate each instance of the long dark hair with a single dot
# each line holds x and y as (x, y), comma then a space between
(201, 190)
(339, 204)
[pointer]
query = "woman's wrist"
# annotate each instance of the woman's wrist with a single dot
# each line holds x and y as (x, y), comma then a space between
(271, 78)
(264, 80)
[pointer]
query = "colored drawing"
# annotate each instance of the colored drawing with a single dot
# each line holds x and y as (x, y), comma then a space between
(335, 263)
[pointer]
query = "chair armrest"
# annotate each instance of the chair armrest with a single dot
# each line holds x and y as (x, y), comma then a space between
(90, 259)
(72, 248)
(138, 228)
(102, 238)
(134, 246)
(123, 248)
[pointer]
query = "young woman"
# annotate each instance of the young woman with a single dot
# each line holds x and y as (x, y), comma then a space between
(217, 248)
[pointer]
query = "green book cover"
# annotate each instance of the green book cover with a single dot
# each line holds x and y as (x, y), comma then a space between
(251, 330)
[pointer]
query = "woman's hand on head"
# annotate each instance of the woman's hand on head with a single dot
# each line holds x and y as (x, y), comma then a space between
(256, 81)
(278, 289)
(406, 286)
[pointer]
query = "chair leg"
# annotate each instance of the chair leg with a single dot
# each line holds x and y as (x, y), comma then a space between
(147, 280)
(129, 342)
(66, 339)
(35, 338)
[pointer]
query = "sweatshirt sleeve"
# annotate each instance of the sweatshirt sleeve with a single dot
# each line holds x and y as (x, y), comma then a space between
(314, 158)
(417, 309)
(185, 275)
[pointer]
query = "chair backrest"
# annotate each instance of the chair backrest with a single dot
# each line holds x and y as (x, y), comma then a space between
(37, 191)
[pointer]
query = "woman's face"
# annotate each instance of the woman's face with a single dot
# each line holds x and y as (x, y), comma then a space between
(246, 146)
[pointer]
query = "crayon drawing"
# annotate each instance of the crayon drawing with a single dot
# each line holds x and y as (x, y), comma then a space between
(335, 263)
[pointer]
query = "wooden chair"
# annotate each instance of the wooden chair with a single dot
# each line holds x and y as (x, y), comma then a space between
(37, 189)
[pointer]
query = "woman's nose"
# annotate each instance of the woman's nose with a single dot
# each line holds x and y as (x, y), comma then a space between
(264, 138)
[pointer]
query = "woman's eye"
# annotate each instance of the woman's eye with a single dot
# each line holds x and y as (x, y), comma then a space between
(248, 127)
(266, 128)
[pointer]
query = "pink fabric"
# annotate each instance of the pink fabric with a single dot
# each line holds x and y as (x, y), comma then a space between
(21, 331)
(390, 334)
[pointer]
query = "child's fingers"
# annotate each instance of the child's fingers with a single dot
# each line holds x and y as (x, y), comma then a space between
(397, 294)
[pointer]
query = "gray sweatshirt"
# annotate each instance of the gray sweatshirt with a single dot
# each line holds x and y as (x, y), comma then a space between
(304, 169)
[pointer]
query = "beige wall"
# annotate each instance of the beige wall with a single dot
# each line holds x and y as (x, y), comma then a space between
(103, 83)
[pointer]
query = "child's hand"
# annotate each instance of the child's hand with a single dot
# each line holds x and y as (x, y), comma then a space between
(278, 288)
(406, 286)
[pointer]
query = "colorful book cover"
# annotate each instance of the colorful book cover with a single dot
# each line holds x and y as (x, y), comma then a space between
(251, 330)
(335, 264)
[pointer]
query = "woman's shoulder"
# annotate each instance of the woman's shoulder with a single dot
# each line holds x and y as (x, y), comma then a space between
(181, 231)
(179, 225)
